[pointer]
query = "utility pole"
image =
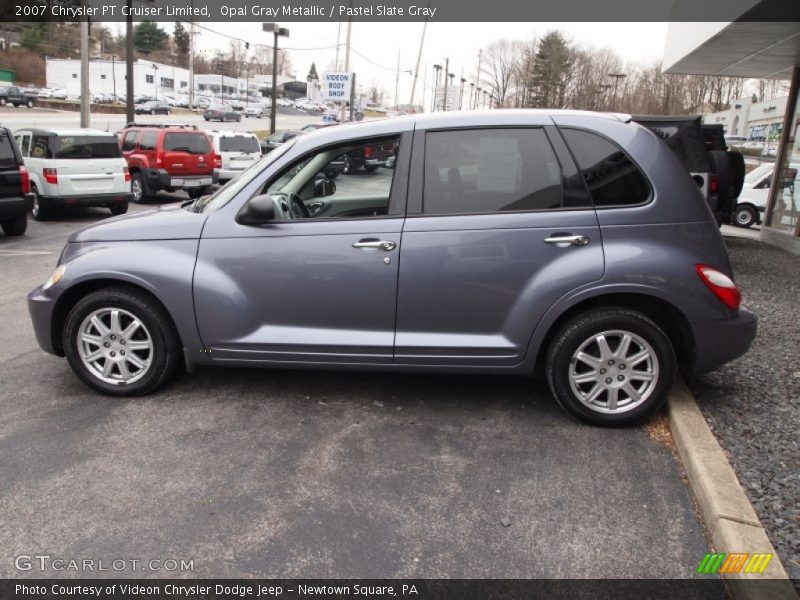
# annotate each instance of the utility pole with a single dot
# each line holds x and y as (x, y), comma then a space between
(478, 74)
(277, 32)
(446, 74)
(347, 57)
(437, 69)
(397, 81)
(416, 69)
(85, 100)
(129, 116)
(617, 77)
(191, 60)
(338, 38)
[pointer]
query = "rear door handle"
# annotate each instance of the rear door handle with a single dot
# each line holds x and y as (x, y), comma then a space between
(385, 245)
(574, 240)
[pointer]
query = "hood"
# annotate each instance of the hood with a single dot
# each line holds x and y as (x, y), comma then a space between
(171, 223)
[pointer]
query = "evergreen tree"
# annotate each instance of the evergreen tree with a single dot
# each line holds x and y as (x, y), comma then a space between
(181, 38)
(147, 36)
(312, 73)
(551, 71)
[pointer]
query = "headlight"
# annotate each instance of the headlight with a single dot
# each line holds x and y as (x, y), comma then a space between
(55, 277)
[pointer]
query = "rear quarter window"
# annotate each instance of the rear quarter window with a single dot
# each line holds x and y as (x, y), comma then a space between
(7, 155)
(194, 143)
(612, 178)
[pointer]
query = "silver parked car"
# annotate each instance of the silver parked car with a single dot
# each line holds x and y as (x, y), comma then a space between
(501, 241)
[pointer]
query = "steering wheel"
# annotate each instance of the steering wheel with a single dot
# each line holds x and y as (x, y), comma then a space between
(298, 208)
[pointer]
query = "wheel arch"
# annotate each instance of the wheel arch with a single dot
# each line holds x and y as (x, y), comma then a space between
(665, 314)
(70, 297)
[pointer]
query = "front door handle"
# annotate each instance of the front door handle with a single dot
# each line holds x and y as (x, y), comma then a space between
(385, 245)
(574, 240)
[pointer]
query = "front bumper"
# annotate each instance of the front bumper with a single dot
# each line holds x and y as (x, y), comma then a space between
(41, 307)
(94, 200)
(720, 341)
(15, 206)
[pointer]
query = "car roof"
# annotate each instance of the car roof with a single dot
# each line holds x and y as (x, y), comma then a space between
(70, 132)
(218, 133)
(447, 120)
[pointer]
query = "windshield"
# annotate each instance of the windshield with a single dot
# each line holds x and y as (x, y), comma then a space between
(239, 143)
(224, 194)
(194, 143)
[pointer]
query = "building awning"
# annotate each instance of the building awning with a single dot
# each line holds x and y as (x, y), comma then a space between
(748, 47)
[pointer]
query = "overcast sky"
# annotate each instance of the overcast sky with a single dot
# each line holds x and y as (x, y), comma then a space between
(380, 42)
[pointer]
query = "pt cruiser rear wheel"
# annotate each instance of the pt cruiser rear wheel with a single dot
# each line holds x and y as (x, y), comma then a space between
(611, 367)
(120, 342)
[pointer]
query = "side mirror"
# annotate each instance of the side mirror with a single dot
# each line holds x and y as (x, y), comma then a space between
(324, 187)
(258, 210)
(763, 184)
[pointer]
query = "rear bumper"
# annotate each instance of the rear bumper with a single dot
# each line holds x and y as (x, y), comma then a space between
(93, 200)
(719, 342)
(160, 179)
(15, 206)
(228, 174)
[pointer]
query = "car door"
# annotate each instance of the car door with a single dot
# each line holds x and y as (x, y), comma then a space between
(313, 290)
(499, 227)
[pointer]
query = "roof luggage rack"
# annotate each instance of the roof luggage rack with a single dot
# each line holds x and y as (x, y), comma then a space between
(160, 125)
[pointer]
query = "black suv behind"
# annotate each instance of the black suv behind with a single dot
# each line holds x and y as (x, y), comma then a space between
(15, 186)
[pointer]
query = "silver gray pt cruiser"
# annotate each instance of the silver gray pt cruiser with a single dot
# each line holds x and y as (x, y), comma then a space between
(472, 242)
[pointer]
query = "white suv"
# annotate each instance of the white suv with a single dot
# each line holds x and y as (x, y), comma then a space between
(235, 152)
(74, 167)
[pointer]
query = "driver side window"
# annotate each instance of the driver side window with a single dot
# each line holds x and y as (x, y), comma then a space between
(350, 181)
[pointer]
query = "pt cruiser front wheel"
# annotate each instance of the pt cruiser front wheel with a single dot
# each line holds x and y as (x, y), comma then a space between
(611, 367)
(119, 341)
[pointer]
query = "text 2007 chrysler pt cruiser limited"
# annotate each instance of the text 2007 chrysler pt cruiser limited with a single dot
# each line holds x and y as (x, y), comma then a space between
(496, 243)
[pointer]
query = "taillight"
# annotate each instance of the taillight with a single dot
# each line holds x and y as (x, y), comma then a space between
(159, 161)
(217, 161)
(723, 286)
(367, 151)
(50, 175)
(126, 172)
(24, 179)
(713, 184)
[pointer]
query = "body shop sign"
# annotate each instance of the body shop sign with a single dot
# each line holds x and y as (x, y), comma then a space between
(336, 86)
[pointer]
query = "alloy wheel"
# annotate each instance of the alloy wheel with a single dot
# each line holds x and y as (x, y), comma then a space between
(613, 371)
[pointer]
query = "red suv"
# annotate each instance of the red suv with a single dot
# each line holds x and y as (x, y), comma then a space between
(168, 157)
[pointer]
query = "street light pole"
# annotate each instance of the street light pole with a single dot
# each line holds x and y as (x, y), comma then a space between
(277, 32)
(446, 75)
(85, 73)
(437, 69)
(155, 75)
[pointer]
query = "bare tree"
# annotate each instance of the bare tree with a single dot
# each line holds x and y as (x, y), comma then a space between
(501, 59)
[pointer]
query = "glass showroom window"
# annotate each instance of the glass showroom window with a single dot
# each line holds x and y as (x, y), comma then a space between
(785, 193)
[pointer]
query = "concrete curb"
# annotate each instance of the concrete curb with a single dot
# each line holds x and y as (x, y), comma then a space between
(731, 521)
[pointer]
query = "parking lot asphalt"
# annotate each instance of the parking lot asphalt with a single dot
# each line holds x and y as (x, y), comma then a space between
(319, 474)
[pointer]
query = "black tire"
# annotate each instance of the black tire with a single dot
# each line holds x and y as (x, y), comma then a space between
(350, 165)
(370, 168)
(745, 215)
(15, 226)
(119, 209)
(721, 166)
(138, 188)
(38, 212)
(166, 344)
(575, 333)
(194, 193)
(738, 170)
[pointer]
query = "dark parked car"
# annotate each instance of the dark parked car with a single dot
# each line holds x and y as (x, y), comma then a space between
(502, 242)
(153, 107)
(222, 114)
(369, 157)
(17, 96)
(279, 138)
(15, 186)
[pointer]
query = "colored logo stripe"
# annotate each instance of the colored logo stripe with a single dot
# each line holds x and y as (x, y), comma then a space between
(733, 563)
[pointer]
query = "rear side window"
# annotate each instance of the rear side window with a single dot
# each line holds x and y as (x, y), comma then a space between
(238, 143)
(41, 147)
(194, 143)
(612, 178)
(490, 170)
(129, 141)
(7, 156)
(148, 141)
(87, 147)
